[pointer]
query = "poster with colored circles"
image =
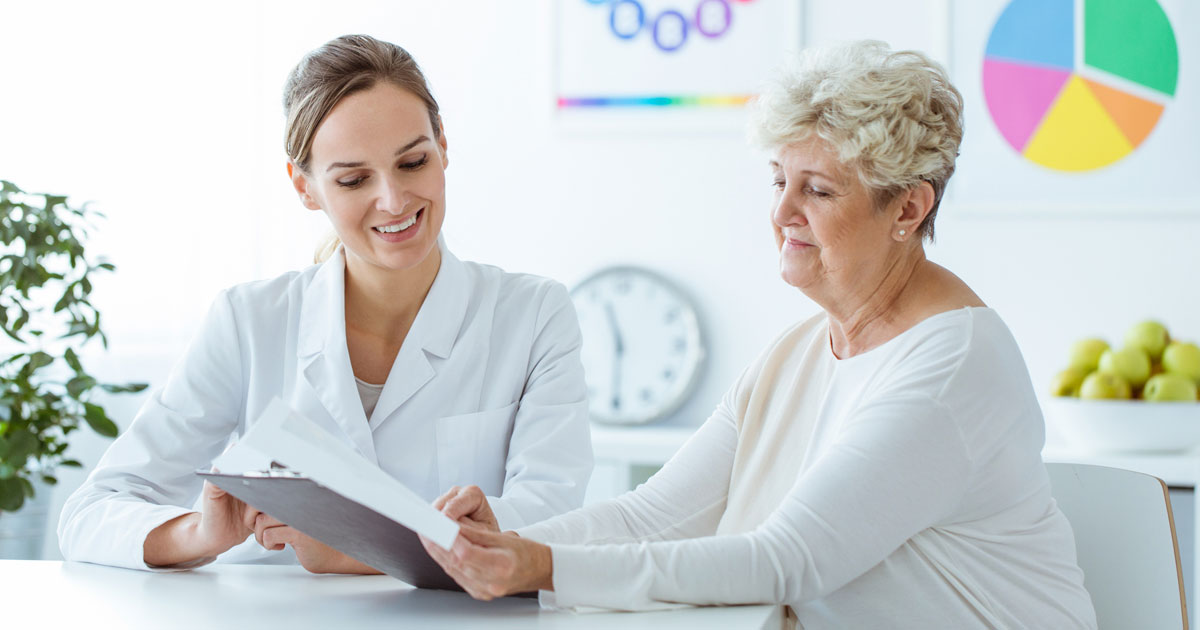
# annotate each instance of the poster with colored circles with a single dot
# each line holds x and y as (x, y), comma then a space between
(1085, 104)
(667, 56)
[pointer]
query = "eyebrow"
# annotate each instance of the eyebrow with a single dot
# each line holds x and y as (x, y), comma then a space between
(413, 143)
(777, 166)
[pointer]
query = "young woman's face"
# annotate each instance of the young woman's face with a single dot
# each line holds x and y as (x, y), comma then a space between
(378, 172)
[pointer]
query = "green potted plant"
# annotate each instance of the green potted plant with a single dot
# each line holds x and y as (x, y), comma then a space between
(46, 316)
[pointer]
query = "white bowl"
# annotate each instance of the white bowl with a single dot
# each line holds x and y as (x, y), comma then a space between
(1113, 426)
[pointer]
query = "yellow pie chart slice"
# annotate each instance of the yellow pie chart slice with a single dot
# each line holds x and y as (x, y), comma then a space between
(1077, 133)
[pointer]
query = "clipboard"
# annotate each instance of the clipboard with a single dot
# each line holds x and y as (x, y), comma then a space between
(348, 526)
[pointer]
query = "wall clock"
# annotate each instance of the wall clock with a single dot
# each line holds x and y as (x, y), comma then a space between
(643, 347)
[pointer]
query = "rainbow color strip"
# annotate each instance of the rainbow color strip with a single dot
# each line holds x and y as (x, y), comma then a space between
(731, 100)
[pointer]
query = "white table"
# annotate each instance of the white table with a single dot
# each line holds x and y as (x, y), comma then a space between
(48, 594)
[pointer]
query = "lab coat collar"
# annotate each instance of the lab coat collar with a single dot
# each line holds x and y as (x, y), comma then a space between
(436, 327)
(325, 357)
(433, 332)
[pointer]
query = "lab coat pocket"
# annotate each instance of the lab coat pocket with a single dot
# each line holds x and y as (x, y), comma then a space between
(473, 448)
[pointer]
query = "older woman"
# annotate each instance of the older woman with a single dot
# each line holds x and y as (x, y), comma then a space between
(879, 464)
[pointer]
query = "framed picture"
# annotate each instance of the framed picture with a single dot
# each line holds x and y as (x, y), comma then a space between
(656, 60)
(1078, 106)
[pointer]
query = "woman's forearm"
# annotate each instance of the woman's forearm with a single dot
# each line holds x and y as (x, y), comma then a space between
(176, 542)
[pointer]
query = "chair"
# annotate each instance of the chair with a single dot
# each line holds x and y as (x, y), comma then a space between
(1126, 545)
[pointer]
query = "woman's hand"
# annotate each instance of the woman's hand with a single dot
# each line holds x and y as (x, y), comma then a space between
(468, 506)
(489, 564)
(223, 522)
(314, 555)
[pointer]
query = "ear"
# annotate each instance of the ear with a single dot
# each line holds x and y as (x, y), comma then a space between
(301, 183)
(914, 205)
(442, 143)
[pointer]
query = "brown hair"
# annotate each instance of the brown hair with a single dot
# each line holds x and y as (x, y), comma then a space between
(341, 67)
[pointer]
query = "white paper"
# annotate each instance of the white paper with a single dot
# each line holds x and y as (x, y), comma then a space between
(284, 436)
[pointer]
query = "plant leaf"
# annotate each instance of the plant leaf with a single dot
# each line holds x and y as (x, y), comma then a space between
(80, 384)
(40, 360)
(12, 495)
(49, 480)
(98, 420)
(21, 444)
(122, 389)
(72, 360)
(71, 463)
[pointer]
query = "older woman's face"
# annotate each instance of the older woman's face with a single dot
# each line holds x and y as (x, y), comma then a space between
(826, 225)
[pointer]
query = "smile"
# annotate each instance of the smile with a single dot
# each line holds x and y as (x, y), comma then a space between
(399, 227)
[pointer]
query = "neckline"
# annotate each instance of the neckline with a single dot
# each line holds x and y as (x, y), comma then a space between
(954, 312)
(366, 384)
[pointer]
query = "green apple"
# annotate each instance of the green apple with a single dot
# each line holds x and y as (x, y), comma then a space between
(1150, 336)
(1085, 354)
(1183, 358)
(1067, 382)
(1130, 363)
(1169, 386)
(1103, 385)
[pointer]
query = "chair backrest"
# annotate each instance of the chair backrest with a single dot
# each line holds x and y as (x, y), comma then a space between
(1126, 545)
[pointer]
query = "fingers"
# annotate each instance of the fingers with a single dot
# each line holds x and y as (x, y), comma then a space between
(465, 502)
(249, 515)
(275, 538)
(441, 501)
(264, 523)
(483, 537)
(453, 567)
(211, 491)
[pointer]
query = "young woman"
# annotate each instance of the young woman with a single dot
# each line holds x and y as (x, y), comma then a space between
(442, 372)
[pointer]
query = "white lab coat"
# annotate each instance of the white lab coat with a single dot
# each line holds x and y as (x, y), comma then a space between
(487, 389)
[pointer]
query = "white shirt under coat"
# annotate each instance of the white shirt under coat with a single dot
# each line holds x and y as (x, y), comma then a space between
(487, 389)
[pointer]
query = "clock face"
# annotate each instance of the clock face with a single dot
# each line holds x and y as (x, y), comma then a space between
(642, 345)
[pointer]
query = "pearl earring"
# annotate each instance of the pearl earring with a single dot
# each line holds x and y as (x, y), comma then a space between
(903, 232)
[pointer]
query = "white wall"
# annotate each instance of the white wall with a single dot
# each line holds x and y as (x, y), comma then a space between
(168, 115)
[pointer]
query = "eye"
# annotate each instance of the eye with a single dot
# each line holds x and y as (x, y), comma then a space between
(778, 184)
(818, 193)
(416, 164)
(352, 183)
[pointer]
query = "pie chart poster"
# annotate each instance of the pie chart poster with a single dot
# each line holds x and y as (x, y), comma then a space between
(1078, 105)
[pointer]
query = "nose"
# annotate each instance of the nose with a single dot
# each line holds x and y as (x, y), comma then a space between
(393, 198)
(788, 209)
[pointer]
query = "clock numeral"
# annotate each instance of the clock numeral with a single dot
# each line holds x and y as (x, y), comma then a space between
(668, 374)
(623, 286)
(671, 315)
(679, 345)
(616, 403)
(647, 395)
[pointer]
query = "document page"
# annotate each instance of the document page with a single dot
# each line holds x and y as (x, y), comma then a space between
(282, 435)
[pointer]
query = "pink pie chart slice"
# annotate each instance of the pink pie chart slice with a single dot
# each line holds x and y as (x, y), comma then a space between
(1018, 96)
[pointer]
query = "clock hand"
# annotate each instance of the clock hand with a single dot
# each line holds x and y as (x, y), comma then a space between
(619, 348)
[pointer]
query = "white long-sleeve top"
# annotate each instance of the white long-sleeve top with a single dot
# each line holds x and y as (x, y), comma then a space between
(487, 389)
(918, 498)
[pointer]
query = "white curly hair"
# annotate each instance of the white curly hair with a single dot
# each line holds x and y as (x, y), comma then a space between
(892, 116)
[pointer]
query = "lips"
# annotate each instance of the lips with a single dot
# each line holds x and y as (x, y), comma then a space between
(398, 226)
(795, 243)
(403, 230)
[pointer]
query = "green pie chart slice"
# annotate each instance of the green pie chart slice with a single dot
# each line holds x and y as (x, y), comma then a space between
(1131, 39)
